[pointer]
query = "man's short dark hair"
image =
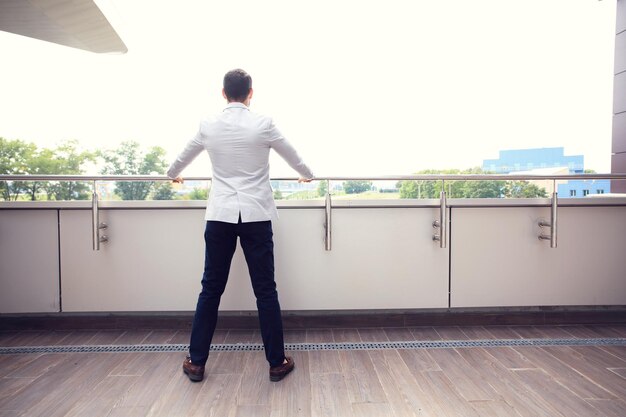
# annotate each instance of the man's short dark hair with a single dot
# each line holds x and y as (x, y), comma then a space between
(237, 85)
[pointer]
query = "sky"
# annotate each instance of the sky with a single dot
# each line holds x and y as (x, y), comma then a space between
(358, 87)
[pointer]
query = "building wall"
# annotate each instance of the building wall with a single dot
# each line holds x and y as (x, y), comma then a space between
(529, 159)
(577, 189)
(618, 158)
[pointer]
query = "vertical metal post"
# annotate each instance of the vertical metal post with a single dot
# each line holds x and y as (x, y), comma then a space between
(553, 220)
(95, 220)
(328, 221)
(95, 232)
(443, 211)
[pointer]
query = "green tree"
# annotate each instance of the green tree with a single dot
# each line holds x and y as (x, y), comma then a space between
(356, 187)
(164, 191)
(128, 159)
(278, 195)
(322, 188)
(198, 194)
(14, 158)
(524, 189)
(65, 159)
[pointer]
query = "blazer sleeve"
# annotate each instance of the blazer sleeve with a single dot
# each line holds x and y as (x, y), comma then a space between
(192, 150)
(278, 142)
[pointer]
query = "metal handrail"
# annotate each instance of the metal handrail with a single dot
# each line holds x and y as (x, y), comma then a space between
(420, 177)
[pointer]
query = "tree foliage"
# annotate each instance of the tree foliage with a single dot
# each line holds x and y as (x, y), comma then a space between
(129, 159)
(322, 188)
(468, 189)
(356, 187)
(15, 156)
(22, 158)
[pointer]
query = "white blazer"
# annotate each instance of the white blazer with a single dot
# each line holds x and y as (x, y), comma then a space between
(238, 142)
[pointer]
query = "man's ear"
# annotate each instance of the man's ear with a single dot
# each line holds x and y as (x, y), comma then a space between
(250, 93)
(224, 94)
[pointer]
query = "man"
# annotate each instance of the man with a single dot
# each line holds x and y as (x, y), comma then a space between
(240, 205)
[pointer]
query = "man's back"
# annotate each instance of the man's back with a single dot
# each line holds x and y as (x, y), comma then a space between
(238, 142)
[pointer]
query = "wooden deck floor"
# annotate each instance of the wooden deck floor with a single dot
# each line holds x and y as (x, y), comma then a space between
(490, 381)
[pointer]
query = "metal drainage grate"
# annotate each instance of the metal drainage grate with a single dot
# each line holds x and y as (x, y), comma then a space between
(319, 346)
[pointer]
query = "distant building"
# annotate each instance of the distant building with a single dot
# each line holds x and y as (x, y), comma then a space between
(548, 161)
(529, 159)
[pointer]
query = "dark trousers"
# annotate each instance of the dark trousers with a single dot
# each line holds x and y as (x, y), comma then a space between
(258, 248)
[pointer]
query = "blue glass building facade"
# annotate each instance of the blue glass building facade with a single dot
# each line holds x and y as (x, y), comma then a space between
(529, 159)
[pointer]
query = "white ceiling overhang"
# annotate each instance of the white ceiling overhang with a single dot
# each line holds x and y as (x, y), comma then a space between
(75, 23)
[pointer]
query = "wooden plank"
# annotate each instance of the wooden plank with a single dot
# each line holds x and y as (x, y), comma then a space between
(399, 334)
(329, 396)
(177, 397)
(591, 369)
(606, 331)
(255, 388)
(511, 358)
(319, 336)
(524, 401)
(226, 362)
(11, 386)
(566, 402)
(451, 333)
(373, 335)
(493, 408)
(9, 363)
(132, 337)
(582, 332)
(609, 408)
(106, 337)
(243, 336)
(133, 363)
(346, 336)
(101, 400)
(37, 367)
(24, 338)
(217, 397)
(159, 337)
(502, 332)
(79, 337)
(182, 337)
(372, 410)
(619, 371)
(600, 356)
(437, 386)
(476, 332)
(618, 351)
(156, 371)
(465, 379)
(84, 374)
(252, 411)
(294, 336)
(418, 360)
(291, 397)
(360, 377)
(425, 333)
(322, 361)
(403, 393)
(562, 373)
(554, 332)
(128, 412)
(48, 382)
(528, 332)
(50, 338)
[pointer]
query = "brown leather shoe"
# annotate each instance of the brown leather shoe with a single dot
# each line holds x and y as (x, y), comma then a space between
(279, 372)
(194, 372)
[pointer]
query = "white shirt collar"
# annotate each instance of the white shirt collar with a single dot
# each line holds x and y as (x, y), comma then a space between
(236, 105)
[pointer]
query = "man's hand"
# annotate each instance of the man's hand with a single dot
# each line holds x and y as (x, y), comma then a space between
(305, 179)
(178, 180)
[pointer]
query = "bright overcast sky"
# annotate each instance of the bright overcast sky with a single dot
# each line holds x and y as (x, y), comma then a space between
(359, 87)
